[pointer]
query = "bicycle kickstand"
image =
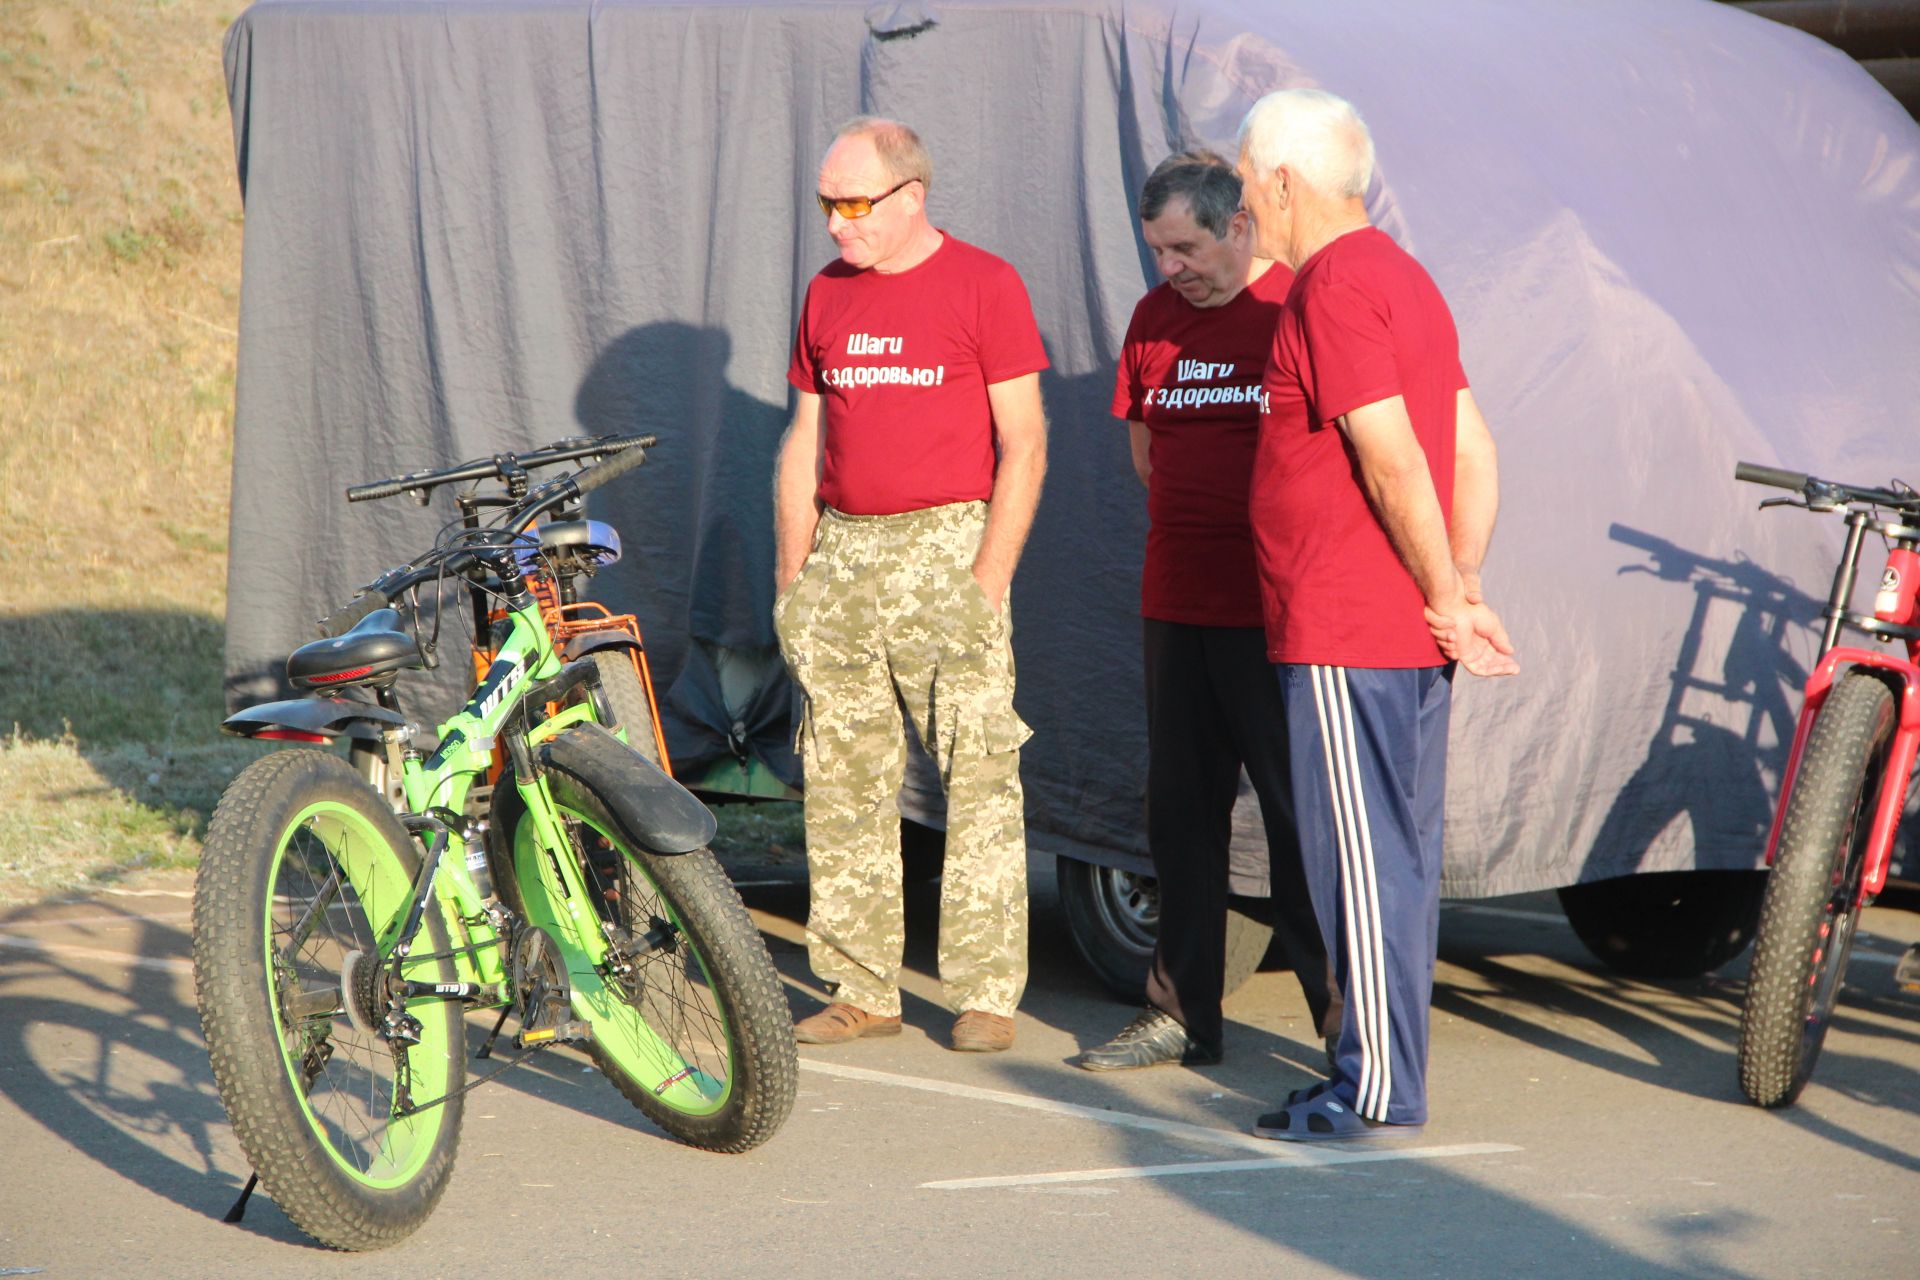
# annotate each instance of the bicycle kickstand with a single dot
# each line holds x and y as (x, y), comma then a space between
(239, 1209)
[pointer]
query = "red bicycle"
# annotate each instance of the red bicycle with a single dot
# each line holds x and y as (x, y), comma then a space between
(1844, 790)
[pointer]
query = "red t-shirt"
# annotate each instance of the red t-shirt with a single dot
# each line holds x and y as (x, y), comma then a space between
(1192, 375)
(902, 361)
(1363, 323)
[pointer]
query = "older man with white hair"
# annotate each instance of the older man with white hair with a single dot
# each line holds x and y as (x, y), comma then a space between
(1373, 498)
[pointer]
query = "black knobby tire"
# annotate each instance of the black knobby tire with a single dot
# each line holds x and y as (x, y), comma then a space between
(627, 697)
(1812, 901)
(303, 865)
(1666, 925)
(1113, 917)
(713, 998)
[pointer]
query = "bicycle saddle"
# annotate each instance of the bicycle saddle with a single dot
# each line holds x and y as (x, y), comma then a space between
(373, 651)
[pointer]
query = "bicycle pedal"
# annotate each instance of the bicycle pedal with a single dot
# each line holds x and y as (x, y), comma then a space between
(1907, 974)
(571, 1032)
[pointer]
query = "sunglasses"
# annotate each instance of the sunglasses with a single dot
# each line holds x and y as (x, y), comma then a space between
(856, 206)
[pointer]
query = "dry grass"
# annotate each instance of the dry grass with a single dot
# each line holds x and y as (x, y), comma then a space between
(119, 286)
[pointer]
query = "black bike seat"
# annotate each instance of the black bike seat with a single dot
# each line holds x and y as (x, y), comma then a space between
(371, 652)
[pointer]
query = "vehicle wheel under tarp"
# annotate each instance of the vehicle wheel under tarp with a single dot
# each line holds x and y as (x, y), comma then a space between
(1666, 924)
(1114, 915)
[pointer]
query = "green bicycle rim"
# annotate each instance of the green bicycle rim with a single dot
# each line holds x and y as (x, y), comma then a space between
(382, 891)
(621, 1034)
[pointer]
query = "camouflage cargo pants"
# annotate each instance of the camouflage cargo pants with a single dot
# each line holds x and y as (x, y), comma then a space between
(886, 619)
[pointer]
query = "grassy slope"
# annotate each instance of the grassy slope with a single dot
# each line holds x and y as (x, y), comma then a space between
(119, 293)
(119, 285)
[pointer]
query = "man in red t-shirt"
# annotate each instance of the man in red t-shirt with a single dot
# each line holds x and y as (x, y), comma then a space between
(1373, 499)
(902, 496)
(1188, 388)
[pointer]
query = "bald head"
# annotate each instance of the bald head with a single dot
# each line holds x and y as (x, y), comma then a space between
(1318, 136)
(902, 154)
(873, 184)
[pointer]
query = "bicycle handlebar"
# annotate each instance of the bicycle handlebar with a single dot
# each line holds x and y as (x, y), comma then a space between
(1754, 473)
(628, 454)
(612, 469)
(1827, 494)
(497, 467)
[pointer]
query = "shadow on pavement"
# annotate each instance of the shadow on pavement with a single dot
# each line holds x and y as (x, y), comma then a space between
(69, 1064)
(1387, 1220)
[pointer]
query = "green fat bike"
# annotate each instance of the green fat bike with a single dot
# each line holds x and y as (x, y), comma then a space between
(338, 942)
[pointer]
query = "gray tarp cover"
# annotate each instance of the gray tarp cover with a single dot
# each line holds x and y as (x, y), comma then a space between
(1673, 236)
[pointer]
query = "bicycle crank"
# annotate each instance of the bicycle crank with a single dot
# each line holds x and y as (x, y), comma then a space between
(541, 993)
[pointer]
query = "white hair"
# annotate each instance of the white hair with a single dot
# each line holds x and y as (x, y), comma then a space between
(1317, 135)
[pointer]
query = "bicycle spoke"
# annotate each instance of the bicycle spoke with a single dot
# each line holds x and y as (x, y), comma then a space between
(316, 910)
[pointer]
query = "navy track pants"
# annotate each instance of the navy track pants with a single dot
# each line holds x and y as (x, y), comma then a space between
(1368, 751)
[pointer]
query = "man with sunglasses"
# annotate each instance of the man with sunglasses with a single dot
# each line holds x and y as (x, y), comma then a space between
(902, 496)
(1188, 388)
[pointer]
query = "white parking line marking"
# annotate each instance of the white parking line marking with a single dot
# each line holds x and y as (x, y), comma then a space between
(95, 953)
(1282, 1159)
(1275, 1153)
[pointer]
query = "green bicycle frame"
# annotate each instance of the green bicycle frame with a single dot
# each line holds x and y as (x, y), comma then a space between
(444, 780)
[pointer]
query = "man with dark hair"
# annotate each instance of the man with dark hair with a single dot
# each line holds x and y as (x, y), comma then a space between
(902, 496)
(1188, 387)
(1373, 499)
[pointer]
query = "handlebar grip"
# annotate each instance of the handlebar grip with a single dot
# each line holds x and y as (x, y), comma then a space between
(378, 489)
(1754, 473)
(610, 470)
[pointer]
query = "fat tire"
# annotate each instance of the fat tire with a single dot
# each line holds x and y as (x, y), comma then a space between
(627, 697)
(1811, 903)
(763, 1064)
(237, 1013)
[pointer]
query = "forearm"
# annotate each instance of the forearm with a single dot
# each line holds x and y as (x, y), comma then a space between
(1403, 498)
(1140, 444)
(796, 504)
(1016, 496)
(1476, 488)
(1476, 501)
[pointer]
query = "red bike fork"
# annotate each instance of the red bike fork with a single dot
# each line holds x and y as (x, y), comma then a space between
(1900, 755)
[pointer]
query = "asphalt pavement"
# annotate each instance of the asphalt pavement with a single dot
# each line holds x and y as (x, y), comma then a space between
(1584, 1125)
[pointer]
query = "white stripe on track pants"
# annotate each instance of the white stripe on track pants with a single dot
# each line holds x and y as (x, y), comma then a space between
(1368, 751)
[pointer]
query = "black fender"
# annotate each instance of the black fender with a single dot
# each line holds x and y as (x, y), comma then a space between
(593, 641)
(327, 717)
(649, 808)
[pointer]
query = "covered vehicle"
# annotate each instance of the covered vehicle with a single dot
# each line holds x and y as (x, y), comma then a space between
(1673, 235)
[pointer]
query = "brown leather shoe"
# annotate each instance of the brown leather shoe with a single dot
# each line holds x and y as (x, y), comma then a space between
(838, 1023)
(978, 1032)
